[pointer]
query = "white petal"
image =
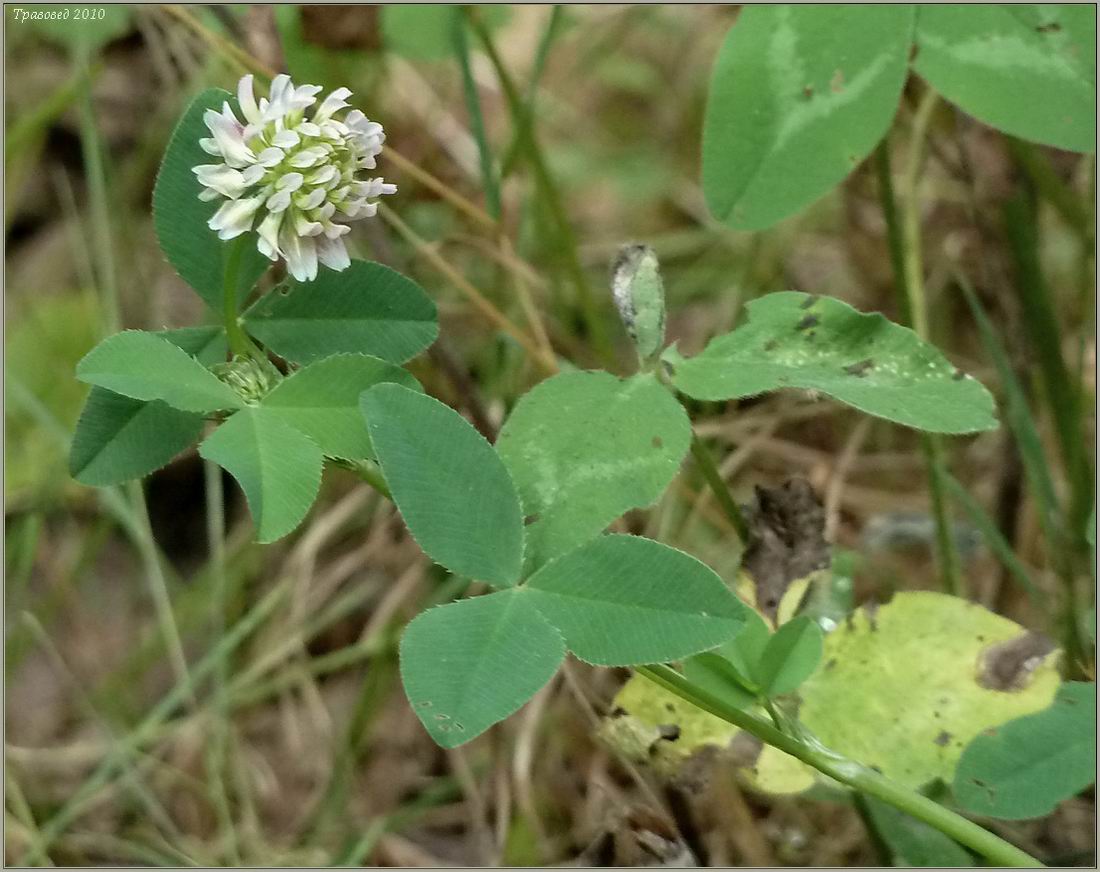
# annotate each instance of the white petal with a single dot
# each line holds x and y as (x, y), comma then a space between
(235, 217)
(209, 195)
(269, 157)
(324, 174)
(278, 202)
(334, 102)
(268, 231)
(388, 188)
(290, 182)
(247, 100)
(300, 254)
(307, 157)
(333, 253)
(304, 96)
(228, 134)
(286, 139)
(335, 231)
(311, 200)
(325, 212)
(210, 146)
(253, 174)
(304, 227)
(225, 180)
(308, 128)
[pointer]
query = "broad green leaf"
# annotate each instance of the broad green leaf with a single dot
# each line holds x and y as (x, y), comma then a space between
(716, 675)
(180, 217)
(206, 344)
(469, 664)
(744, 651)
(585, 447)
(322, 401)
(278, 468)
(623, 600)
(645, 718)
(790, 656)
(78, 28)
(912, 842)
(119, 438)
(422, 31)
(799, 96)
(1029, 70)
(906, 686)
(794, 340)
(366, 309)
(449, 485)
(145, 366)
(1024, 768)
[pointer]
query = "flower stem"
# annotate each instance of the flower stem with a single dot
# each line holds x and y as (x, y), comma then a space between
(238, 341)
(903, 232)
(849, 772)
(718, 486)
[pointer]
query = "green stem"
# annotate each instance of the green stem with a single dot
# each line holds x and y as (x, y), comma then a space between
(239, 342)
(903, 231)
(848, 772)
(550, 193)
(718, 487)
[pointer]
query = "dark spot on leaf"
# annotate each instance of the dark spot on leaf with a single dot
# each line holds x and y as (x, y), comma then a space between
(958, 375)
(836, 83)
(807, 322)
(860, 369)
(831, 663)
(1008, 666)
(528, 520)
(809, 301)
(808, 91)
(810, 336)
(935, 714)
(943, 738)
(914, 50)
(658, 442)
(425, 704)
(618, 712)
(771, 345)
(1049, 27)
(442, 717)
(668, 732)
(670, 707)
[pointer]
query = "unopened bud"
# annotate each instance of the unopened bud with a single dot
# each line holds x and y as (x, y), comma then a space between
(640, 297)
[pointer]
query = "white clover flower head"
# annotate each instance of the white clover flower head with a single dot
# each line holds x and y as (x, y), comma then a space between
(297, 179)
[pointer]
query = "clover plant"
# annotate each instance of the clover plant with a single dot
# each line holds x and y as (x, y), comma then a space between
(307, 370)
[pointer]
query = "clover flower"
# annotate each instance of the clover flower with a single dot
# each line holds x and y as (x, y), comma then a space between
(295, 178)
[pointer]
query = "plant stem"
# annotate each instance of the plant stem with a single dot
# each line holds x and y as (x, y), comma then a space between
(848, 772)
(239, 342)
(718, 486)
(904, 239)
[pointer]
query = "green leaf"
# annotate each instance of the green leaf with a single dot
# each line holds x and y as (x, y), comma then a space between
(368, 308)
(799, 96)
(207, 344)
(744, 651)
(449, 485)
(1024, 768)
(180, 217)
(912, 842)
(790, 656)
(794, 340)
(624, 600)
(585, 447)
(1029, 70)
(322, 401)
(906, 686)
(278, 468)
(118, 438)
(716, 675)
(422, 31)
(469, 664)
(145, 366)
